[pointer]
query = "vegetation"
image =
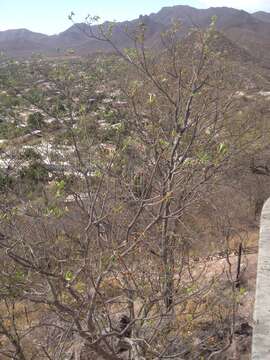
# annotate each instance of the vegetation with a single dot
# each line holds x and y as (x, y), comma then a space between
(35, 121)
(114, 214)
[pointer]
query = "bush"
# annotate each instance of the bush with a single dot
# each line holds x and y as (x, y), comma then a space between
(10, 130)
(34, 173)
(30, 155)
(35, 121)
(6, 181)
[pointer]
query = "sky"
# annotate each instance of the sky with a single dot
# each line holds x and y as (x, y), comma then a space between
(51, 16)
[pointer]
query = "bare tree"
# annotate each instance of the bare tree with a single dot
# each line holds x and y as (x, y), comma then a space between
(105, 236)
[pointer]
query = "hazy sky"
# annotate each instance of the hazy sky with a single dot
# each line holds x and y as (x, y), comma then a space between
(50, 16)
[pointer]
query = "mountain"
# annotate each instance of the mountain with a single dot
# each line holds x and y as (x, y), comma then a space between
(249, 31)
(262, 15)
(190, 16)
(21, 42)
(13, 35)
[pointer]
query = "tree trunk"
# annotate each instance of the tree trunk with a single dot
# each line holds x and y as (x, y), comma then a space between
(168, 260)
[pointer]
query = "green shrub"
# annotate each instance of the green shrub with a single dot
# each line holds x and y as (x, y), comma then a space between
(30, 154)
(34, 173)
(35, 121)
(6, 181)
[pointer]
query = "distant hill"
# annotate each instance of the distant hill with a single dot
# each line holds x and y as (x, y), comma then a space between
(262, 15)
(22, 42)
(24, 34)
(189, 16)
(249, 31)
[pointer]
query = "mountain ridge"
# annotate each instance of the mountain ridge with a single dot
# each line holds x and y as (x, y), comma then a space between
(250, 31)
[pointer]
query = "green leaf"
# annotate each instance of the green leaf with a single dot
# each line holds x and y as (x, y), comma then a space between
(164, 143)
(242, 291)
(222, 148)
(69, 276)
(19, 275)
(55, 211)
(152, 98)
(82, 109)
(60, 184)
(204, 157)
(97, 174)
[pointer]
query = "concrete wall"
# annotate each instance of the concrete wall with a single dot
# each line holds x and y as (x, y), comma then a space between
(261, 328)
